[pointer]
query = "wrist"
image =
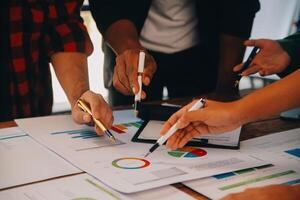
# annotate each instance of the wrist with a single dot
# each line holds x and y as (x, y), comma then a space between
(241, 113)
(77, 94)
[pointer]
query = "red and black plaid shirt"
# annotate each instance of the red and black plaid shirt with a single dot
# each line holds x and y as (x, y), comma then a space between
(37, 29)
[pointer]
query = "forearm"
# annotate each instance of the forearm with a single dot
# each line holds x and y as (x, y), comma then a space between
(271, 100)
(122, 35)
(231, 53)
(72, 73)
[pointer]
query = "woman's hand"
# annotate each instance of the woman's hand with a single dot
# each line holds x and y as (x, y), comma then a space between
(214, 118)
(271, 59)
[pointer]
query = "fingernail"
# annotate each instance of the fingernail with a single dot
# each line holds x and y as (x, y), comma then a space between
(86, 118)
(133, 90)
(179, 124)
(147, 80)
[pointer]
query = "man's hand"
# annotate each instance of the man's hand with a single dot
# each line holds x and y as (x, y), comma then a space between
(271, 59)
(99, 108)
(272, 192)
(214, 118)
(125, 78)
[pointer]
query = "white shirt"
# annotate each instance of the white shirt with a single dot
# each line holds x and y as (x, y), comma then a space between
(171, 26)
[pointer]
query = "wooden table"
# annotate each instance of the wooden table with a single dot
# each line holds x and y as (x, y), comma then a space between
(251, 130)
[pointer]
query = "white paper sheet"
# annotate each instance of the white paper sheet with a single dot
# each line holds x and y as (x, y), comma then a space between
(84, 186)
(281, 149)
(125, 116)
(110, 163)
(229, 139)
(219, 186)
(23, 160)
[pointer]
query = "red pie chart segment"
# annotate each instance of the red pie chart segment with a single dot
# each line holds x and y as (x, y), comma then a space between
(188, 152)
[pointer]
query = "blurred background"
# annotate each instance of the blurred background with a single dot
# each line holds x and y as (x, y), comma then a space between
(275, 20)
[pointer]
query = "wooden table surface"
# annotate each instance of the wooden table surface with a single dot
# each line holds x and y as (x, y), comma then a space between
(251, 130)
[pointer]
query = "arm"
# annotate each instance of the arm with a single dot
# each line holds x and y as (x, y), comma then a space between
(69, 47)
(231, 53)
(236, 19)
(271, 100)
(120, 23)
(219, 117)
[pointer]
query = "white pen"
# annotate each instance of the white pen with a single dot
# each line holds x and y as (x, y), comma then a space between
(141, 65)
(199, 104)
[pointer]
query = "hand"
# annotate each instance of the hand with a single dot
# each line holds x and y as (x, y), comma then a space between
(99, 108)
(272, 192)
(126, 72)
(271, 58)
(214, 118)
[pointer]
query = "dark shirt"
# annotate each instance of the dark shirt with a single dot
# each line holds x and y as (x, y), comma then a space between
(36, 30)
(291, 45)
(215, 17)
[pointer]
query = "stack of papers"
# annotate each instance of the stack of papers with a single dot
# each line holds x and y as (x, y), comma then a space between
(122, 165)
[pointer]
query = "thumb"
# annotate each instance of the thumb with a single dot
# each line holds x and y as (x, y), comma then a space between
(149, 70)
(192, 116)
(238, 67)
(257, 43)
(80, 116)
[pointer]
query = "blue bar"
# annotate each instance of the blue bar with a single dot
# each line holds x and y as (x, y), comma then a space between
(225, 175)
(294, 182)
(10, 137)
(294, 152)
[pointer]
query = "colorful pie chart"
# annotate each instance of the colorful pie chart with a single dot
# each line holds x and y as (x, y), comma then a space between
(130, 163)
(188, 152)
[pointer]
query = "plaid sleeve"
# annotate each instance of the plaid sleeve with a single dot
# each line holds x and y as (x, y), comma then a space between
(65, 29)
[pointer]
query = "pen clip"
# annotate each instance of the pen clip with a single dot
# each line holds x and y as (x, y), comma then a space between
(81, 104)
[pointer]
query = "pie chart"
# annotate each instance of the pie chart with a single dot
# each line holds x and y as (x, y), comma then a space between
(188, 152)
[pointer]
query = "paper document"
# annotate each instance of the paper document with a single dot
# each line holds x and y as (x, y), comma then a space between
(281, 149)
(23, 160)
(218, 186)
(85, 187)
(121, 165)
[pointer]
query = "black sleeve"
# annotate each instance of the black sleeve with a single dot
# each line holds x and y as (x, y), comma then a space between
(236, 17)
(106, 12)
(291, 45)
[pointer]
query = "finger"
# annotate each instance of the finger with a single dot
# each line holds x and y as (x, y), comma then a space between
(251, 70)
(100, 109)
(132, 71)
(98, 131)
(171, 143)
(80, 116)
(173, 119)
(187, 137)
(238, 67)
(150, 69)
(143, 95)
(118, 83)
(120, 80)
(119, 86)
(192, 116)
(261, 43)
(262, 72)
